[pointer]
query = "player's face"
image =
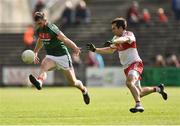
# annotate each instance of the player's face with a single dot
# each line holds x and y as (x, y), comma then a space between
(117, 31)
(40, 23)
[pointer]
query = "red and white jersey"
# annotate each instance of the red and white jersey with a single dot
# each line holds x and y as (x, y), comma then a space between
(128, 53)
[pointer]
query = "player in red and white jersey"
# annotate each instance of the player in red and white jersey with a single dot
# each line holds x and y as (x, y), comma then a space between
(127, 51)
(124, 42)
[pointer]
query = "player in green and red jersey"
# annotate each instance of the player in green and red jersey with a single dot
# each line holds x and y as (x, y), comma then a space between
(57, 57)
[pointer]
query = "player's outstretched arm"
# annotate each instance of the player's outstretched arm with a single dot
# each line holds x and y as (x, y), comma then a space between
(105, 50)
(121, 40)
(68, 43)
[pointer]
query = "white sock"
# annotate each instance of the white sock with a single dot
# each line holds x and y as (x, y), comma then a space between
(85, 90)
(80, 85)
(40, 81)
(138, 103)
(158, 89)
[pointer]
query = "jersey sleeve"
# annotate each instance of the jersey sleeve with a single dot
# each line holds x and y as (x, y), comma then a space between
(54, 28)
(130, 36)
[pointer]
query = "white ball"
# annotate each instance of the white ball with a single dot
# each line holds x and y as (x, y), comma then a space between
(28, 56)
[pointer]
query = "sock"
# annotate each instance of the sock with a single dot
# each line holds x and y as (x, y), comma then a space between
(40, 80)
(138, 103)
(157, 89)
(79, 85)
(85, 91)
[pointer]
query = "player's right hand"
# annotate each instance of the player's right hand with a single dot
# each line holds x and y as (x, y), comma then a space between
(91, 47)
(108, 43)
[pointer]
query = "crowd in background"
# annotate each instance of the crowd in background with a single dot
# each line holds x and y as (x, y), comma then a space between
(170, 61)
(176, 9)
(135, 17)
(78, 15)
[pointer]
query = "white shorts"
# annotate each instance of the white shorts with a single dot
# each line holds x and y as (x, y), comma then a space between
(136, 75)
(62, 62)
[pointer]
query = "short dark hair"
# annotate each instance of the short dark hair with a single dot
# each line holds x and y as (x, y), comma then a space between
(38, 16)
(120, 22)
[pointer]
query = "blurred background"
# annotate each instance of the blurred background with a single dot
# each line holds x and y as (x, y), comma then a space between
(155, 23)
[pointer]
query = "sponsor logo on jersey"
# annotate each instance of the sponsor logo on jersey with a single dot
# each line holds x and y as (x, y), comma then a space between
(45, 37)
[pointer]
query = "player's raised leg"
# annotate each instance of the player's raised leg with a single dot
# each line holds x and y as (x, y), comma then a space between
(148, 90)
(70, 75)
(46, 65)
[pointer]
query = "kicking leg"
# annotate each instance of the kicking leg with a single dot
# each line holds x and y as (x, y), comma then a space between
(148, 90)
(46, 65)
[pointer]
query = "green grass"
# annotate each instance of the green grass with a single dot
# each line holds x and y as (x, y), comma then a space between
(62, 106)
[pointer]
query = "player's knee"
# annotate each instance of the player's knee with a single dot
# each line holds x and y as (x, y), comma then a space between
(130, 81)
(141, 92)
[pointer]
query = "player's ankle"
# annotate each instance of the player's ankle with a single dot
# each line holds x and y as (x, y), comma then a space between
(138, 103)
(40, 80)
(157, 89)
(84, 90)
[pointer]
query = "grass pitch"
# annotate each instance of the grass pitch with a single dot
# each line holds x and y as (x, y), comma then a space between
(64, 106)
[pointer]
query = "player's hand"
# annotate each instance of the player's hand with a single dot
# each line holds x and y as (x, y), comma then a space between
(36, 59)
(108, 43)
(77, 51)
(91, 47)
